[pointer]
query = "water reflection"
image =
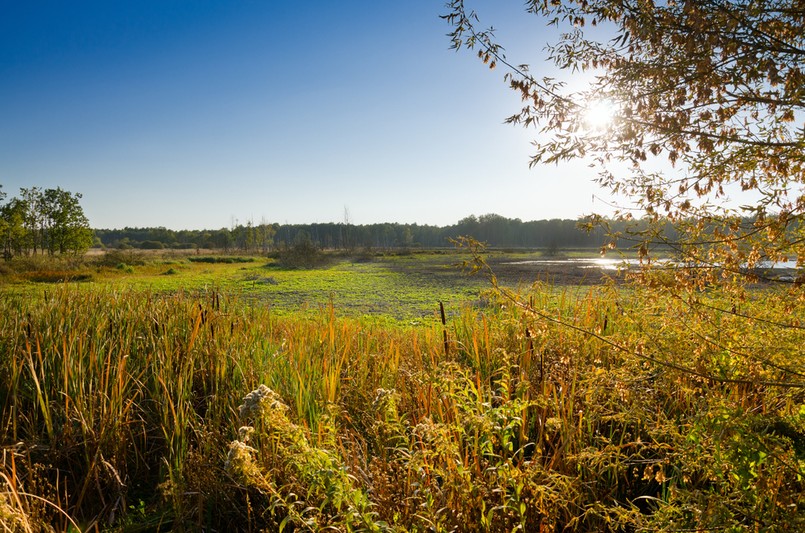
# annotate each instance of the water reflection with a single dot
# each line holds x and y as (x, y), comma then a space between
(608, 263)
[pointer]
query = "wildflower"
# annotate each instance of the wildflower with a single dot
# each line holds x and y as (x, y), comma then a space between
(553, 425)
(384, 398)
(254, 402)
(244, 433)
(240, 459)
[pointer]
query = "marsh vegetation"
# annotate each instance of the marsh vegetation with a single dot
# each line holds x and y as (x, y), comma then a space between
(212, 394)
(365, 391)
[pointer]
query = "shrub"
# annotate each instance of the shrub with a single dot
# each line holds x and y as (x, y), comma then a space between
(57, 276)
(306, 486)
(303, 254)
(113, 258)
(227, 259)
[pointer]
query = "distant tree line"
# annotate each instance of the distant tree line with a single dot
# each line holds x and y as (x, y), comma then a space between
(52, 221)
(41, 220)
(492, 229)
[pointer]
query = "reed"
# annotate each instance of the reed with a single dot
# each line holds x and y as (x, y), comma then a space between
(550, 409)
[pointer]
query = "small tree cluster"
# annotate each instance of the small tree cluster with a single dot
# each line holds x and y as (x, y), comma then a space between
(302, 254)
(43, 220)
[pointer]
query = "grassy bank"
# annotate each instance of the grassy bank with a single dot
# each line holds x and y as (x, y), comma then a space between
(134, 404)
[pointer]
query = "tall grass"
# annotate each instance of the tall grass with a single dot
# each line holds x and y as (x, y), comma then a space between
(136, 410)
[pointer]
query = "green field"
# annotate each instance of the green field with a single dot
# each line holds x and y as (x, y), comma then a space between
(400, 286)
(159, 393)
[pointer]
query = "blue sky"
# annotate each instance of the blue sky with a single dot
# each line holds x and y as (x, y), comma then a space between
(197, 114)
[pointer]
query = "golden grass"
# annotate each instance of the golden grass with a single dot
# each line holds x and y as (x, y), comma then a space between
(600, 410)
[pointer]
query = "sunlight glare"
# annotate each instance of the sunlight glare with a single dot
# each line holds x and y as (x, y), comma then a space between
(599, 114)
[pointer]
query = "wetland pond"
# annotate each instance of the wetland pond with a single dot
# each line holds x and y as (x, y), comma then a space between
(584, 269)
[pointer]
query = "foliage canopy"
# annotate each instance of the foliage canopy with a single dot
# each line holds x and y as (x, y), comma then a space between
(49, 220)
(707, 103)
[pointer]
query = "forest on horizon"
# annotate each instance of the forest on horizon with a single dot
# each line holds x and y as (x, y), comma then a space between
(492, 229)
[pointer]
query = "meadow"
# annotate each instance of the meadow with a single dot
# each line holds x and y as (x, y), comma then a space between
(157, 393)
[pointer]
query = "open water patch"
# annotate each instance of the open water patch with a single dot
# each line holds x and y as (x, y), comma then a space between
(606, 263)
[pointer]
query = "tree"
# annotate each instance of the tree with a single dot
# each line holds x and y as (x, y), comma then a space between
(33, 218)
(221, 240)
(49, 219)
(265, 235)
(12, 228)
(4, 226)
(64, 223)
(706, 102)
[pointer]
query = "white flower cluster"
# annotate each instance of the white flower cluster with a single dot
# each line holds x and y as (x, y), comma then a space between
(240, 458)
(258, 399)
(382, 398)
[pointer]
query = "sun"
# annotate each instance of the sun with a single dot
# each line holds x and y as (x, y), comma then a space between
(599, 114)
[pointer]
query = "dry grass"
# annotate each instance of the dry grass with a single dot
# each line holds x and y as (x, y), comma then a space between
(125, 409)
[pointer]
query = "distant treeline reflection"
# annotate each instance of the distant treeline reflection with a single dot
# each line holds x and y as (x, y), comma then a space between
(495, 230)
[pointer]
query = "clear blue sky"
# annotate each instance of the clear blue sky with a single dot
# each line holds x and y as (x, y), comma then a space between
(195, 114)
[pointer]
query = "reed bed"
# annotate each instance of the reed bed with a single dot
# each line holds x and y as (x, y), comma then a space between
(548, 410)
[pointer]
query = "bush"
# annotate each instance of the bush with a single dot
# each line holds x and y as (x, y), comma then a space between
(57, 276)
(303, 254)
(113, 258)
(302, 485)
(220, 259)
